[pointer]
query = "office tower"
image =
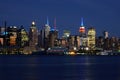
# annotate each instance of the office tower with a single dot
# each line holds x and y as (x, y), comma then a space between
(114, 42)
(33, 35)
(2, 30)
(53, 36)
(23, 37)
(12, 32)
(83, 42)
(82, 29)
(65, 38)
(71, 42)
(91, 38)
(45, 35)
(77, 42)
(4, 38)
(83, 38)
(47, 29)
(106, 44)
(105, 34)
(39, 39)
(66, 33)
(2, 35)
(42, 38)
(100, 42)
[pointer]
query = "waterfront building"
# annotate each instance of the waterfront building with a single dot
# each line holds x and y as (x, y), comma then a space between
(71, 41)
(47, 29)
(83, 41)
(77, 42)
(2, 35)
(106, 45)
(114, 43)
(63, 42)
(100, 42)
(53, 38)
(74, 42)
(41, 38)
(23, 37)
(118, 45)
(33, 35)
(12, 33)
(91, 38)
(65, 38)
(1, 41)
(83, 37)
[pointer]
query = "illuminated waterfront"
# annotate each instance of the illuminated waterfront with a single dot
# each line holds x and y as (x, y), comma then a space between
(37, 67)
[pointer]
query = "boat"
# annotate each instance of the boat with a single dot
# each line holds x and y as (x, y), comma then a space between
(57, 51)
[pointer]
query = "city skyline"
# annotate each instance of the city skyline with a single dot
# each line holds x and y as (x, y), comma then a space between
(102, 15)
(61, 33)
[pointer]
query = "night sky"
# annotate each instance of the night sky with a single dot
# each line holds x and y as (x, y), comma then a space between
(100, 14)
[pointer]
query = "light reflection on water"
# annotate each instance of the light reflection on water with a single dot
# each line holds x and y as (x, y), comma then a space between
(59, 68)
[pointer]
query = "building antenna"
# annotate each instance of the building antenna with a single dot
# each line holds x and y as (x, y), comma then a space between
(55, 23)
(5, 24)
(82, 24)
(47, 21)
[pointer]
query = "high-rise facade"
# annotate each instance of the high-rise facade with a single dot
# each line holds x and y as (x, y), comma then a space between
(53, 38)
(33, 35)
(3, 36)
(23, 37)
(91, 38)
(47, 29)
(12, 33)
(83, 36)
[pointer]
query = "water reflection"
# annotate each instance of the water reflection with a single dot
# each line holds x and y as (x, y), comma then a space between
(60, 68)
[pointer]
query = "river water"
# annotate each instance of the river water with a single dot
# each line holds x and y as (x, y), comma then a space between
(36, 67)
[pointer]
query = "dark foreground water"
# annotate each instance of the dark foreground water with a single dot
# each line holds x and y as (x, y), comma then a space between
(59, 68)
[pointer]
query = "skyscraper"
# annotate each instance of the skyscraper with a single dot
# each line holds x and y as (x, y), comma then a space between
(53, 36)
(91, 38)
(12, 32)
(22, 38)
(105, 34)
(82, 29)
(2, 36)
(47, 29)
(33, 35)
(83, 38)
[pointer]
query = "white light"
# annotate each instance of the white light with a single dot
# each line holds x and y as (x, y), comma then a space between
(87, 48)
(33, 23)
(75, 48)
(14, 27)
(82, 27)
(49, 48)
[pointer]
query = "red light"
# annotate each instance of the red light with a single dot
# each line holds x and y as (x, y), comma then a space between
(82, 29)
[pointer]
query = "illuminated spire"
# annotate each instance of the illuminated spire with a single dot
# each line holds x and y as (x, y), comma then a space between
(82, 22)
(47, 21)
